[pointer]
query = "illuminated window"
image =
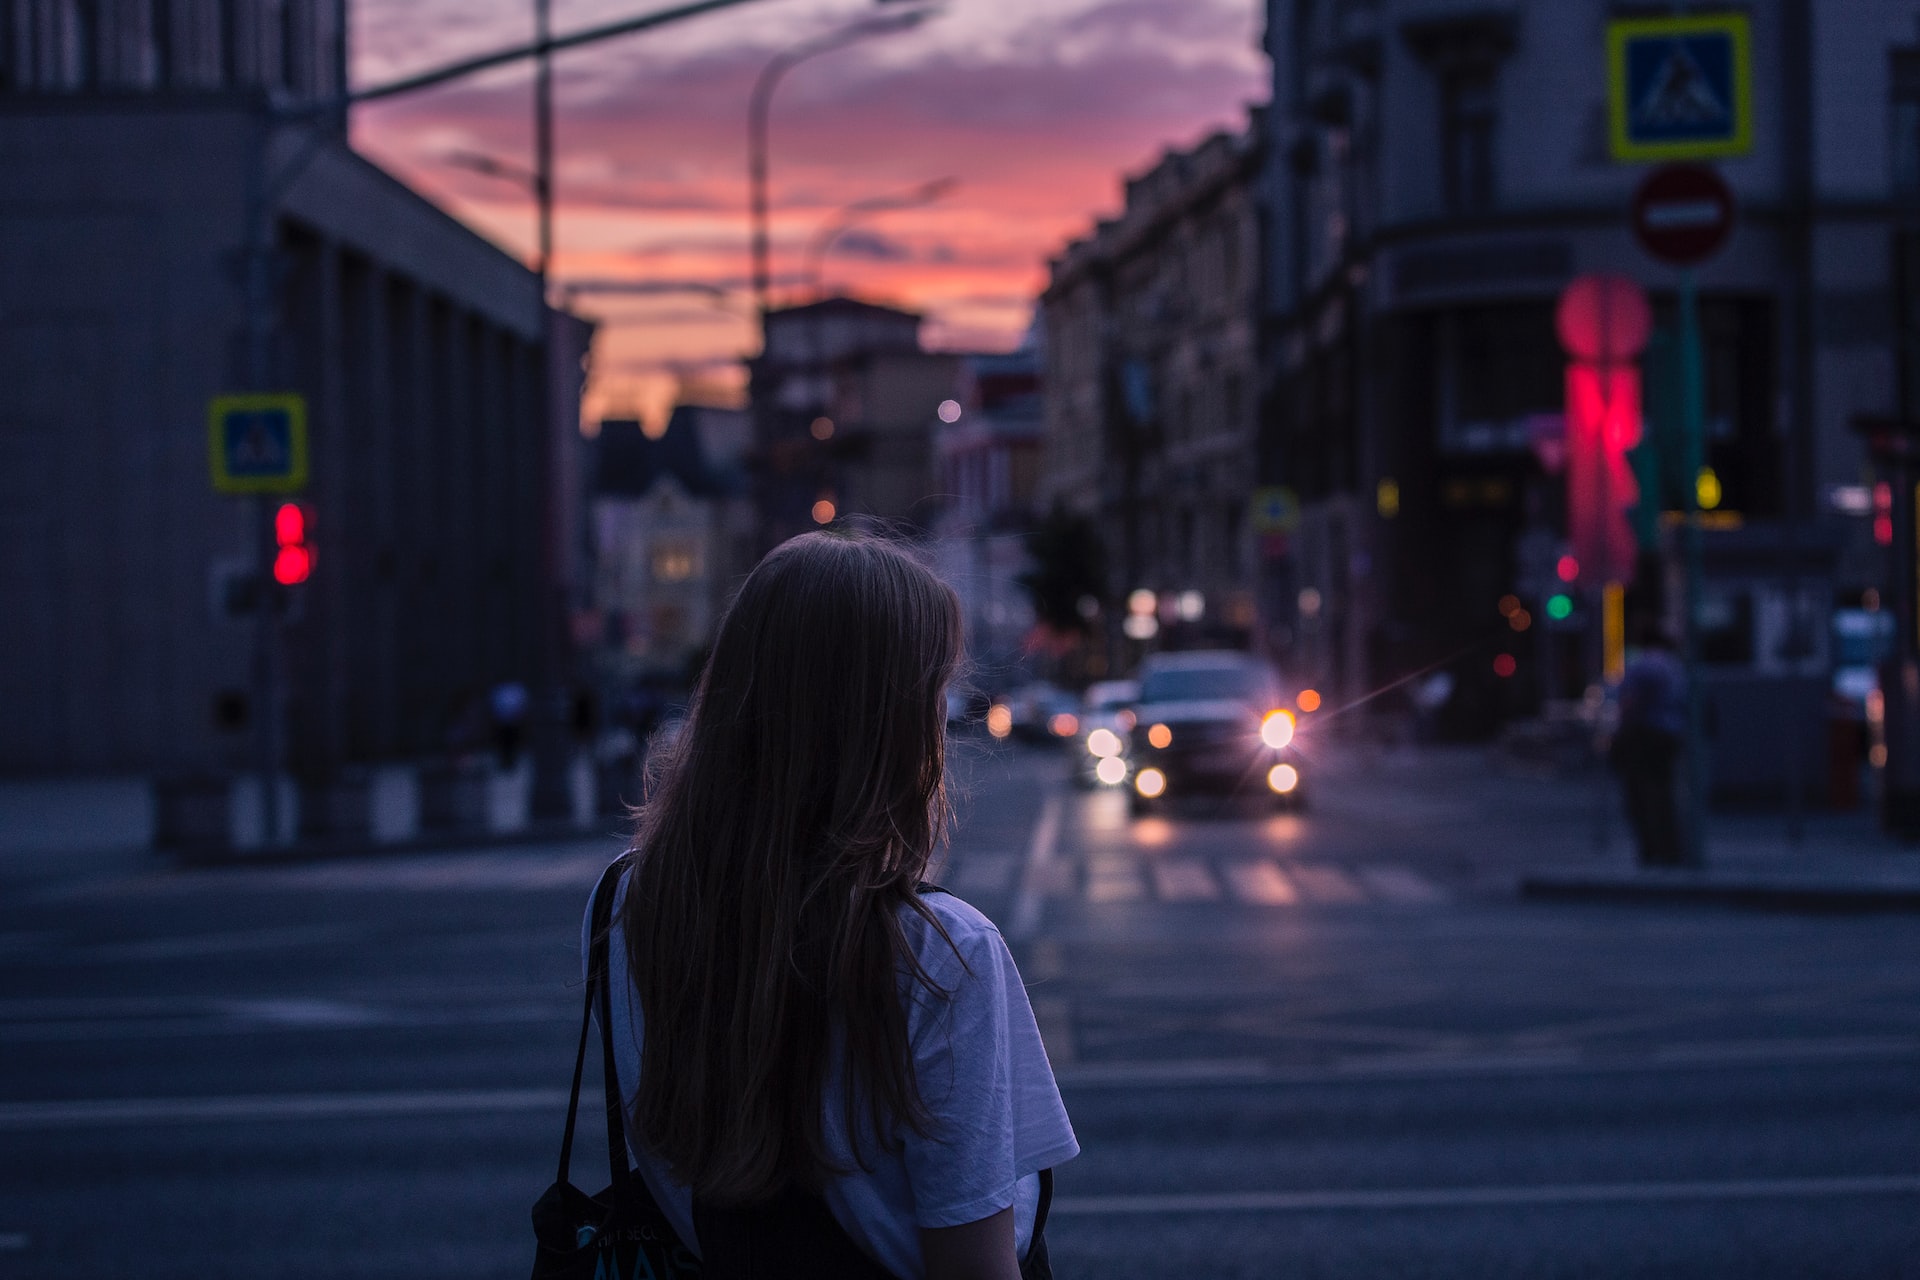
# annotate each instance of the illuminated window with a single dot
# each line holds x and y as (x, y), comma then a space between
(674, 561)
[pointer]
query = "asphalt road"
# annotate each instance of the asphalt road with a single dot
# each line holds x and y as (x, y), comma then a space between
(1330, 1044)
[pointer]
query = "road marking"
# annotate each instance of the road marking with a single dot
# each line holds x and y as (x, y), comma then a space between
(1024, 922)
(574, 865)
(1115, 885)
(219, 944)
(13, 1241)
(1393, 1068)
(1402, 884)
(107, 1112)
(1191, 1071)
(1325, 884)
(1185, 880)
(1261, 883)
(1486, 1197)
(86, 1113)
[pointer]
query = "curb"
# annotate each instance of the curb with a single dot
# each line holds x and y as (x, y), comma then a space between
(205, 857)
(1777, 892)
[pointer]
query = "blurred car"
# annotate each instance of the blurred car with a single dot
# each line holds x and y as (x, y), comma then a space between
(1106, 718)
(1042, 712)
(1210, 722)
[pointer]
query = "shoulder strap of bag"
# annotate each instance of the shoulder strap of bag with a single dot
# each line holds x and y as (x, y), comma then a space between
(1040, 1210)
(597, 987)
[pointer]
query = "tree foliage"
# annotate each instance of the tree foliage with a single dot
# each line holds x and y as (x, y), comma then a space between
(1069, 564)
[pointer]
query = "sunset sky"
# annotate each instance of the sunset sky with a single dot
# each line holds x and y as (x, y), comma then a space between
(1037, 109)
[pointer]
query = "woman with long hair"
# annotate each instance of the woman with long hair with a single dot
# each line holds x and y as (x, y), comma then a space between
(800, 1021)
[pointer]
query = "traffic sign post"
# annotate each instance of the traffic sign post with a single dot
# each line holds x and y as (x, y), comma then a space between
(257, 443)
(1679, 88)
(257, 447)
(1682, 215)
(1275, 510)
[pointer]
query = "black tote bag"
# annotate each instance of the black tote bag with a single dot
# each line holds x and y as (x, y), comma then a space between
(620, 1232)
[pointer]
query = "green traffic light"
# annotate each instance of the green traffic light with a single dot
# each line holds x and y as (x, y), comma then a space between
(1559, 608)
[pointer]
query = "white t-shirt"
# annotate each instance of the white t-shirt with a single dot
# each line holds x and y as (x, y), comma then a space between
(983, 1075)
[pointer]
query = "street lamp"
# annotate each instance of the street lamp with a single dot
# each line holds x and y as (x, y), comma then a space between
(761, 100)
(843, 221)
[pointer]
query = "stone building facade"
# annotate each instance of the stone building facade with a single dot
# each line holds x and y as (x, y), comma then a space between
(1437, 172)
(1152, 378)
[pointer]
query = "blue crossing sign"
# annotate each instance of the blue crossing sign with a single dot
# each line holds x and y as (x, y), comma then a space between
(1679, 88)
(1275, 510)
(258, 443)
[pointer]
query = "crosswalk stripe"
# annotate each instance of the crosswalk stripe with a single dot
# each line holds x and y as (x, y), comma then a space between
(1260, 883)
(1115, 887)
(1326, 884)
(1050, 880)
(1402, 884)
(1185, 880)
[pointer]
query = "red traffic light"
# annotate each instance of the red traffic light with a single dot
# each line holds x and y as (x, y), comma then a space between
(292, 566)
(293, 562)
(289, 525)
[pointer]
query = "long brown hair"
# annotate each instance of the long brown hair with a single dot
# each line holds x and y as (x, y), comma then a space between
(794, 818)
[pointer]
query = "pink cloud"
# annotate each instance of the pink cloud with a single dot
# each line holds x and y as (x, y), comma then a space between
(1037, 115)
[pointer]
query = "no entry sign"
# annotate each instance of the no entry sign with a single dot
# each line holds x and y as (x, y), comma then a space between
(1683, 213)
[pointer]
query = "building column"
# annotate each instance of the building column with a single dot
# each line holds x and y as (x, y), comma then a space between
(331, 590)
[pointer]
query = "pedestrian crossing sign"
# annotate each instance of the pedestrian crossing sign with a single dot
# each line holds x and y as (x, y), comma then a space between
(1679, 88)
(1275, 510)
(258, 443)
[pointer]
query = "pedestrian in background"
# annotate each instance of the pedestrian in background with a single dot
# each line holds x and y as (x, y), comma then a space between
(805, 1033)
(507, 708)
(1646, 746)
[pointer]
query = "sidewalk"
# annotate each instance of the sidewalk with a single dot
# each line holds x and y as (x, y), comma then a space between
(1838, 862)
(93, 824)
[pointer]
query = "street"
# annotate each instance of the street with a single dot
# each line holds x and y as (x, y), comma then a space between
(1325, 1044)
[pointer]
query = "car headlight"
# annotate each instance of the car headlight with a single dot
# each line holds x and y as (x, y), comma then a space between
(1104, 743)
(1277, 729)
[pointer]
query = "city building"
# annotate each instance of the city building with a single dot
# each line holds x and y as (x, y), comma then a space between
(184, 218)
(987, 441)
(672, 538)
(1437, 174)
(843, 399)
(1151, 390)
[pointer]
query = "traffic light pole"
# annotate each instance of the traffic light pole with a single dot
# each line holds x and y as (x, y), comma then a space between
(266, 664)
(1693, 412)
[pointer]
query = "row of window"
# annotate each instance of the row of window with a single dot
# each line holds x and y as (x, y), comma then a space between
(72, 46)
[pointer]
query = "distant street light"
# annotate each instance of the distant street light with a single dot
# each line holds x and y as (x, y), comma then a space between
(759, 104)
(843, 221)
(718, 293)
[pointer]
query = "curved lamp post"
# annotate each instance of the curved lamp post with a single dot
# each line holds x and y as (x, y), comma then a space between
(761, 100)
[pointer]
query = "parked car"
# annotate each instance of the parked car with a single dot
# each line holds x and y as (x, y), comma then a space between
(1043, 712)
(1106, 718)
(1211, 722)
